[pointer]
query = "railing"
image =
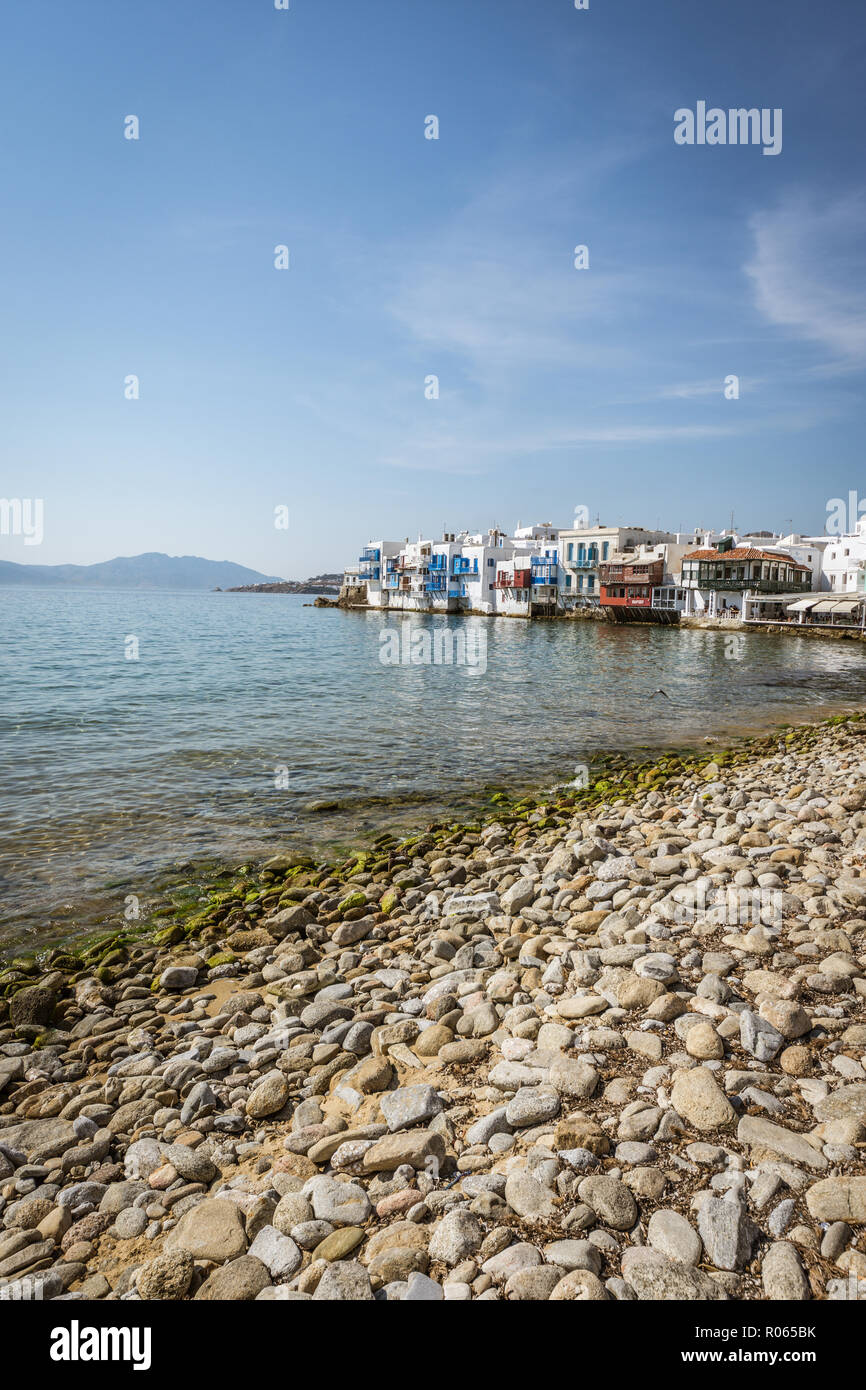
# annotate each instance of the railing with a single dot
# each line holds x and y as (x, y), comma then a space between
(370, 553)
(761, 586)
(544, 572)
(519, 580)
(631, 574)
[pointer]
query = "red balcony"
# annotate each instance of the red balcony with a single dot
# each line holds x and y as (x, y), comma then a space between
(520, 579)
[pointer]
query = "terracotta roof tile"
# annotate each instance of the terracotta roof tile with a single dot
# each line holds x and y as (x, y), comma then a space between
(744, 552)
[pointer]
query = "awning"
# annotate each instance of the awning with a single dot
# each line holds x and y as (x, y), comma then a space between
(837, 605)
(802, 605)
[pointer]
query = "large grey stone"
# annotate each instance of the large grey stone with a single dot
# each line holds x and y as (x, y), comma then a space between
(759, 1037)
(344, 1281)
(727, 1233)
(763, 1135)
(838, 1199)
(521, 1255)
(408, 1106)
(239, 1281)
(457, 1236)
(277, 1252)
(671, 1233)
(654, 1277)
(698, 1098)
(341, 1203)
(611, 1201)
(533, 1105)
(528, 1197)
(573, 1077)
(40, 1139)
(782, 1274)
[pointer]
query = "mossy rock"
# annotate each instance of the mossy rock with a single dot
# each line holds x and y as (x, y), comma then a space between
(222, 958)
(24, 965)
(10, 978)
(64, 962)
(118, 955)
(169, 936)
(351, 900)
(32, 1006)
(389, 900)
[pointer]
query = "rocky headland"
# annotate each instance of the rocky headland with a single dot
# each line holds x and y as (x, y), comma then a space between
(608, 1047)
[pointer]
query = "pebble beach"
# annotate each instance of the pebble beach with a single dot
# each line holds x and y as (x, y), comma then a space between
(607, 1047)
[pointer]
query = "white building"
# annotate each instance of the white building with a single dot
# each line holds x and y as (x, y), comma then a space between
(459, 572)
(844, 561)
(372, 565)
(584, 548)
(806, 550)
(716, 578)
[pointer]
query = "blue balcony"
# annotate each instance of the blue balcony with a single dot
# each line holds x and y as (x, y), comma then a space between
(368, 563)
(463, 565)
(436, 584)
(439, 562)
(544, 571)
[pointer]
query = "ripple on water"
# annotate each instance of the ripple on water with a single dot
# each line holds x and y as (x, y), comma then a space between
(242, 710)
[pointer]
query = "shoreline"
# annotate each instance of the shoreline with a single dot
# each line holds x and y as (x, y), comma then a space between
(627, 773)
(207, 874)
(651, 618)
(607, 1047)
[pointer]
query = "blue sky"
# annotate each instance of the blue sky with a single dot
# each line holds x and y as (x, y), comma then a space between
(412, 257)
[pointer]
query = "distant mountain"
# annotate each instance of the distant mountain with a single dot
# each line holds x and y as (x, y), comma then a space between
(150, 571)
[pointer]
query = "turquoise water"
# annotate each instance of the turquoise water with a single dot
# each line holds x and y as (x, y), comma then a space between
(243, 709)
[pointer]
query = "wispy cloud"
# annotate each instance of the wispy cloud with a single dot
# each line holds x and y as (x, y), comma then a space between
(807, 271)
(495, 285)
(462, 453)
